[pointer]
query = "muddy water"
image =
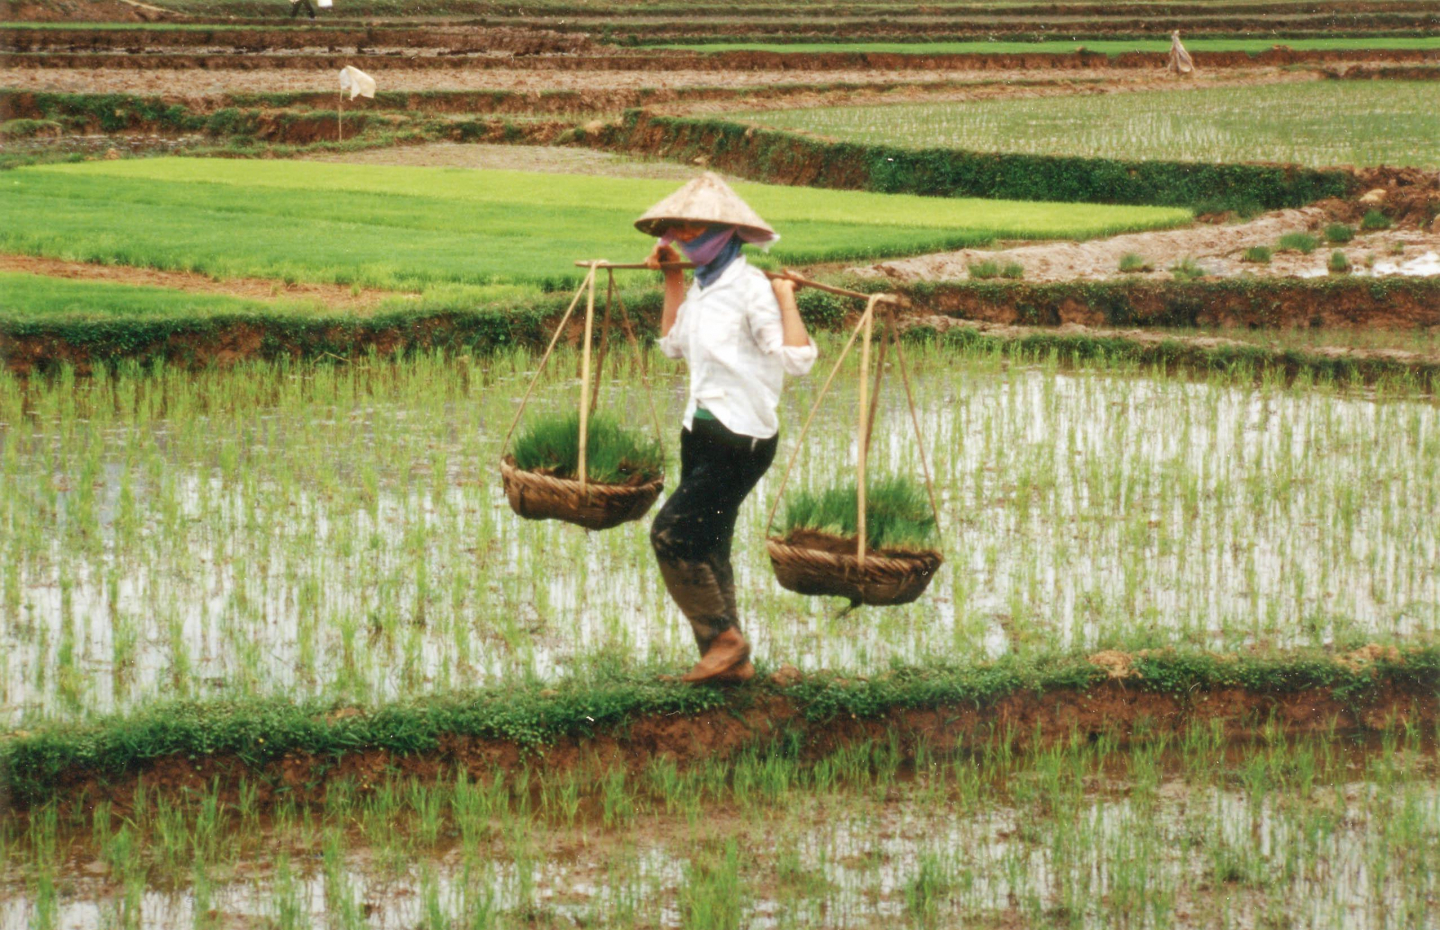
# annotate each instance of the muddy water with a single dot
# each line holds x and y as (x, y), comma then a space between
(348, 538)
(1135, 850)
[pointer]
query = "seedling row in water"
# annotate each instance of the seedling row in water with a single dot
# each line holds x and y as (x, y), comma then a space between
(1188, 832)
(339, 529)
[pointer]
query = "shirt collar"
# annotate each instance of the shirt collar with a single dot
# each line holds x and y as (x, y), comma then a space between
(727, 276)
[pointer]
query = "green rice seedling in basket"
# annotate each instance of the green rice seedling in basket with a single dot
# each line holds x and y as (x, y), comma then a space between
(550, 445)
(622, 473)
(897, 515)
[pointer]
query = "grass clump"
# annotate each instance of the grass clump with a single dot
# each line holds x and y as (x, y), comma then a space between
(1373, 220)
(1339, 264)
(1013, 270)
(614, 454)
(1134, 263)
(983, 270)
(1339, 233)
(1260, 254)
(1298, 242)
(897, 514)
(12, 129)
(1186, 269)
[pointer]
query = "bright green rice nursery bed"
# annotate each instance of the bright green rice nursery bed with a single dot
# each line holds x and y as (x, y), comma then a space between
(412, 227)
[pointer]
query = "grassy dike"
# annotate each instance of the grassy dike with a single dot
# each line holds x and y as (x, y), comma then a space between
(789, 158)
(630, 716)
(220, 331)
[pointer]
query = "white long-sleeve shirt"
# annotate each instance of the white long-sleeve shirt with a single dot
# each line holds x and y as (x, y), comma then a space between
(731, 336)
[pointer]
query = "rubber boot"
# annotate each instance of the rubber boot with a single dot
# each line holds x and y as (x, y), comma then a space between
(727, 660)
(695, 588)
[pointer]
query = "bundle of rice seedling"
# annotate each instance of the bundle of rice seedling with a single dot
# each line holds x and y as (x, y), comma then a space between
(623, 472)
(818, 552)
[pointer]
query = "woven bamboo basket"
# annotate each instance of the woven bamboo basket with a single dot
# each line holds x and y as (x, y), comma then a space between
(597, 507)
(886, 578)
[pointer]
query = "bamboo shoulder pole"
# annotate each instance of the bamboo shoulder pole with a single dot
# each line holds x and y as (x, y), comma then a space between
(803, 282)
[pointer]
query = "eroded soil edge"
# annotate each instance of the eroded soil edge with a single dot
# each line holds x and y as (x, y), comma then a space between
(1116, 707)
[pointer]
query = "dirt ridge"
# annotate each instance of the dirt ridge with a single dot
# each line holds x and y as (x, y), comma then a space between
(717, 61)
(1115, 707)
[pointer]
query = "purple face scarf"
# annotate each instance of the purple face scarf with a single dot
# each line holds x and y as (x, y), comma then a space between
(712, 251)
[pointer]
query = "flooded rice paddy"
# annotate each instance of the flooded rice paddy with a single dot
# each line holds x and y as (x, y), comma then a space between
(339, 530)
(1319, 833)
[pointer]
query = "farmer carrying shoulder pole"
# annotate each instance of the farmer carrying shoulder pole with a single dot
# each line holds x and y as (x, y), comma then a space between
(739, 334)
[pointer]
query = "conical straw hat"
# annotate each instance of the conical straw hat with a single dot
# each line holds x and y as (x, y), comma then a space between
(707, 199)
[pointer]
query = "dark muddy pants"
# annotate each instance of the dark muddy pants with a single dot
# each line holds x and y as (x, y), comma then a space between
(692, 532)
(295, 6)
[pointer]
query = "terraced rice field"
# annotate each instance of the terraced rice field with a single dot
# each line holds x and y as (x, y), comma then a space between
(1316, 124)
(275, 652)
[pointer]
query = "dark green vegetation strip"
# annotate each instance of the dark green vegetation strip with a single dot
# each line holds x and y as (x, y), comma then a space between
(1264, 303)
(32, 342)
(773, 155)
(37, 765)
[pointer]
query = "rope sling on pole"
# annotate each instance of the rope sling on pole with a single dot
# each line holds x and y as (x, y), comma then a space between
(537, 495)
(884, 578)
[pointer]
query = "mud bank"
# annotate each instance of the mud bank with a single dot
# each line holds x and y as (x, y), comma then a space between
(452, 40)
(241, 59)
(1021, 319)
(1335, 303)
(297, 751)
(258, 122)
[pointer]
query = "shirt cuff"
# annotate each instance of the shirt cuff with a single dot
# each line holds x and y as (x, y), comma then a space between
(670, 346)
(798, 360)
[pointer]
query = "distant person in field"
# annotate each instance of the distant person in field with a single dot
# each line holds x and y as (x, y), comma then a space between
(739, 334)
(1180, 62)
(295, 6)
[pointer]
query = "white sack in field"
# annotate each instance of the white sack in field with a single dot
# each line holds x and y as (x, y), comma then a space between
(357, 82)
(324, 4)
(1180, 62)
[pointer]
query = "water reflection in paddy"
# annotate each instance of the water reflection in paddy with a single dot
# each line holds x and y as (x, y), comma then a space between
(340, 530)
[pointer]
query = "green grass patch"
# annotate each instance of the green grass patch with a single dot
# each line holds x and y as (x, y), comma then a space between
(13, 129)
(31, 297)
(613, 453)
(1134, 263)
(405, 228)
(1316, 124)
(1375, 219)
(1301, 242)
(1339, 233)
(897, 513)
